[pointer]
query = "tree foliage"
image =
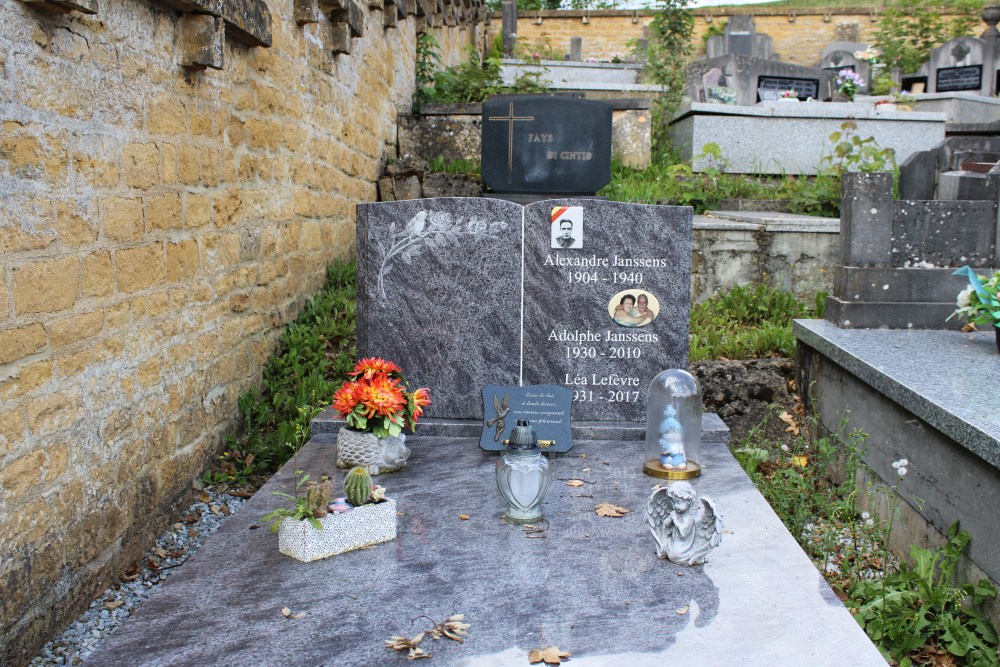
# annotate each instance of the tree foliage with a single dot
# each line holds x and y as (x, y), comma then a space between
(670, 34)
(909, 29)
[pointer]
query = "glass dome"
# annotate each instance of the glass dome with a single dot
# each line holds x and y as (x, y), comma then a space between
(673, 426)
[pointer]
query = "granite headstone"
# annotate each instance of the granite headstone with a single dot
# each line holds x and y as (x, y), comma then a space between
(546, 144)
(804, 88)
(603, 306)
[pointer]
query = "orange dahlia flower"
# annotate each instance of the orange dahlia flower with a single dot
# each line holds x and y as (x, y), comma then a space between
(381, 396)
(346, 398)
(371, 366)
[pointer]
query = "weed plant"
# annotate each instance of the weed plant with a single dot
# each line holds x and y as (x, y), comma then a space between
(914, 612)
(471, 81)
(460, 166)
(747, 322)
(315, 352)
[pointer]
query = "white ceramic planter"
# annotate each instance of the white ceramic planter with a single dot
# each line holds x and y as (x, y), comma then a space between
(361, 527)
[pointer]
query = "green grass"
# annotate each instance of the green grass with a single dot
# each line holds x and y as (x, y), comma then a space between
(747, 322)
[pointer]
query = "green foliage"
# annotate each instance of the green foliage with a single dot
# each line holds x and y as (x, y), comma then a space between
(909, 29)
(814, 196)
(358, 486)
(746, 322)
(670, 35)
(304, 507)
(428, 60)
(853, 153)
(314, 355)
(439, 164)
(919, 605)
(472, 81)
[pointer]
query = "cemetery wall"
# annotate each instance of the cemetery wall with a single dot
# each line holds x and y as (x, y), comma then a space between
(799, 35)
(158, 227)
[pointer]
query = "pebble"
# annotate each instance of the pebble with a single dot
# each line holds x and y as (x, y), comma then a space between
(85, 634)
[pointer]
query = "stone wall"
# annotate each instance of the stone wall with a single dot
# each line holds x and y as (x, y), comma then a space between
(158, 227)
(799, 35)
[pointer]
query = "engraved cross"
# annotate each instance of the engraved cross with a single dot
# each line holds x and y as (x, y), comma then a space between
(510, 118)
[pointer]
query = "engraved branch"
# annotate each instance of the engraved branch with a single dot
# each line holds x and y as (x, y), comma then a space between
(429, 230)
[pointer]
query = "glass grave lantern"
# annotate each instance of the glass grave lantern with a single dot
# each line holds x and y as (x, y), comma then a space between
(673, 426)
(523, 475)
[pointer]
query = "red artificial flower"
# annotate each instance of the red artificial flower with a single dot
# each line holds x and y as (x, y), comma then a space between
(346, 398)
(372, 366)
(421, 399)
(381, 396)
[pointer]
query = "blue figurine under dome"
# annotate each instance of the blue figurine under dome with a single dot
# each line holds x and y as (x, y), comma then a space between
(672, 441)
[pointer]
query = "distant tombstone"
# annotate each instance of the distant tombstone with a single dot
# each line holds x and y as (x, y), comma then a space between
(839, 57)
(740, 38)
(804, 88)
(966, 64)
(464, 293)
(576, 49)
(545, 144)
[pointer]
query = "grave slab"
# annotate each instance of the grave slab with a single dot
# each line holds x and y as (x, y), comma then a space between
(591, 586)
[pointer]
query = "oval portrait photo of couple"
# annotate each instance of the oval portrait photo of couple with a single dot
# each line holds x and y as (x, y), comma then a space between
(633, 308)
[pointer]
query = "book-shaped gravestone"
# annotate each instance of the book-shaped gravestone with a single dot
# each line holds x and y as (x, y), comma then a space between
(546, 406)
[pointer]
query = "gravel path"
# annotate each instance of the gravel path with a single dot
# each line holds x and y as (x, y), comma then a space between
(111, 608)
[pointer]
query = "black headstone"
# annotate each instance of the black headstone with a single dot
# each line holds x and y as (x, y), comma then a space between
(907, 83)
(545, 144)
(804, 88)
(950, 79)
(840, 68)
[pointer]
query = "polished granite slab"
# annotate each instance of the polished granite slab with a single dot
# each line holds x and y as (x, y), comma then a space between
(592, 585)
(950, 379)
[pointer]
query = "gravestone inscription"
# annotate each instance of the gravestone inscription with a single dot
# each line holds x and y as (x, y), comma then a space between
(804, 88)
(463, 293)
(952, 79)
(546, 144)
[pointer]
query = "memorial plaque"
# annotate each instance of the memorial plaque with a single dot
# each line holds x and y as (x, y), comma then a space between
(951, 79)
(913, 84)
(804, 88)
(464, 293)
(546, 406)
(545, 144)
(607, 314)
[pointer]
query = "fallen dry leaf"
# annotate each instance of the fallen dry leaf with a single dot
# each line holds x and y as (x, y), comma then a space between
(793, 428)
(969, 327)
(574, 482)
(683, 610)
(550, 655)
(463, 517)
(287, 613)
(160, 551)
(204, 497)
(607, 509)
(416, 653)
(113, 604)
(192, 532)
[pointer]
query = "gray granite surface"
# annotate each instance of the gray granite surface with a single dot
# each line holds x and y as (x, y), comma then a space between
(949, 379)
(569, 335)
(439, 293)
(325, 426)
(591, 586)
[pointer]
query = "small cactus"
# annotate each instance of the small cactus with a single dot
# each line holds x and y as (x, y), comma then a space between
(318, 496)
(358, 486)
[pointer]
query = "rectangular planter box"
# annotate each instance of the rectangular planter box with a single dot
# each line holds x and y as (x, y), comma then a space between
(361, 527)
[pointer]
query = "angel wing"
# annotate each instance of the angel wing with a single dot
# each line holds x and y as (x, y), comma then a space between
(709, 529)
(658, 508)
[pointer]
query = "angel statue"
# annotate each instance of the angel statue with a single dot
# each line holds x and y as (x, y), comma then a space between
(686, 526)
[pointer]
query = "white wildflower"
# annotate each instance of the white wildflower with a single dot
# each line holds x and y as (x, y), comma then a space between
(869, 522)
(784, 448)
(866, 516)
(902, 471)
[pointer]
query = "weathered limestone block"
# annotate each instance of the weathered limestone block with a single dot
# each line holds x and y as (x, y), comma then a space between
(64, 6)
(306, 11)
(451, 185)
(248, 21)
(389, 15)
(340, 38)
(201, 38)
(407, 187)
(349, 12)
(376, 4)
(386, 192)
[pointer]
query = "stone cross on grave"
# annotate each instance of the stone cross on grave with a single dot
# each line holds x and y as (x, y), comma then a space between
(510, 118)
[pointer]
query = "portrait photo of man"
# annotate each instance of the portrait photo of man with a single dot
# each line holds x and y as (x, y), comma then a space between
(567, 227)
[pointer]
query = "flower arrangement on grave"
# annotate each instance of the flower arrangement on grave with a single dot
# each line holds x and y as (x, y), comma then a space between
(788, 95)
(848, 83)
(364, 516)
(980, 301)
(870, 55)
(377, 405)
(311, 503)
